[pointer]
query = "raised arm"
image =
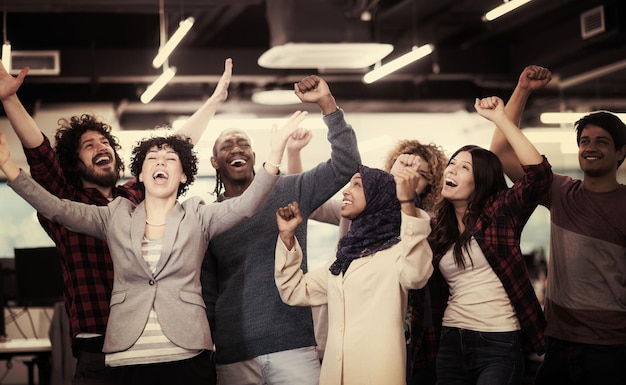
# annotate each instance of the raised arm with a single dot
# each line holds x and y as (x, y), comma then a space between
(533, 77)
(196, 124)
(320, 183)
(297, 141)
(406, 182)
(288, 219)
(23, 124)
(279, 140)
(492, 108)
(8, 167)
(295, 287)
(314, 89)
(76, 216)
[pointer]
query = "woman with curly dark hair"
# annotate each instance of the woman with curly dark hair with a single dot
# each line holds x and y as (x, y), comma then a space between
(158, 332)
(84, 166)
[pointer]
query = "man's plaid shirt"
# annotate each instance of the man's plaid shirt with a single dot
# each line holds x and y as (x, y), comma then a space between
(86, 262)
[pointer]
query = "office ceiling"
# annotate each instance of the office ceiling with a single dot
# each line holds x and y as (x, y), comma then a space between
(106, 48)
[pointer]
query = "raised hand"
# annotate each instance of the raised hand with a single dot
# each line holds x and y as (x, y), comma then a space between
(9, 84)
(407, 180)
(411, 161)
(311, 89)
(5, 154)
(221, 90)
(279, 137)
(534, 77)
(299, 139)
(491, 108)
(288, 219)
(314, 89)
(406, 183)
(7, 166)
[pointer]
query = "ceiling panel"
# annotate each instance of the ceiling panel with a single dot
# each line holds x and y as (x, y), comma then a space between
(106, 48)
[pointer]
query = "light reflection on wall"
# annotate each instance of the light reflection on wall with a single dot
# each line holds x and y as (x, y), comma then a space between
(19, 224)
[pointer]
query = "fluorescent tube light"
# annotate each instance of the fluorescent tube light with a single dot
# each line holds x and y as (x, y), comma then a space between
(592, 74)
(158, 84)
(276, 97)
(504, 8)
(324, 55)
(165, 51)
(415, 54)
(568, 117)
(6, 56)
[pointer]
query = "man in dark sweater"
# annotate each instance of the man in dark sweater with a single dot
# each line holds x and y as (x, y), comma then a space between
(258, 338)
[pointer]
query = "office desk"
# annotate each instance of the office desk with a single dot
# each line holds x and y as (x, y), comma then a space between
(38, 347)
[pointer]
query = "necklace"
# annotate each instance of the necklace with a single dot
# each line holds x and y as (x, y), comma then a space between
(154, 224)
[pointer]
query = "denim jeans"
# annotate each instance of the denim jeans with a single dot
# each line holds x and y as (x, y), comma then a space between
(574, 363)
(482, 358)
(297, 366)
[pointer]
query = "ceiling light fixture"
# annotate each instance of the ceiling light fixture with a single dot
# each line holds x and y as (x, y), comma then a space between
(324, 55)
(568, 117)
(165, 51)
(503, 9)
(415, 54)
(158, 85)
(275, 97)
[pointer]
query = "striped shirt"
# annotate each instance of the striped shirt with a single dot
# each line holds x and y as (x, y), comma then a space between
(153, 346)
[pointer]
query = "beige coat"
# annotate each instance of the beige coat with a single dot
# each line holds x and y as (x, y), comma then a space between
(366, 306)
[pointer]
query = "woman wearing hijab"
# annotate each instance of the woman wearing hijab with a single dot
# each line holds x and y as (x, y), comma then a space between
(383, 255)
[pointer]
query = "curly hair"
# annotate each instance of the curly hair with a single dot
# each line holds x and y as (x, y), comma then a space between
(488, 181)
(67, 147)
(182, 145)
(432, 154)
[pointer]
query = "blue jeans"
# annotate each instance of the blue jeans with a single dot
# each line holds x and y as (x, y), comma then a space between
(297, 366)
(482, 358)
(574, 363)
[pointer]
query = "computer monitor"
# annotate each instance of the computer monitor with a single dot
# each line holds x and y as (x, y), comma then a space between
(38, 276)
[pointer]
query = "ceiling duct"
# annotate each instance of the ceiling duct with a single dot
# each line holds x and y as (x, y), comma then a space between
(40, 62)
(296, 21)
(592, 22)
(297, 41)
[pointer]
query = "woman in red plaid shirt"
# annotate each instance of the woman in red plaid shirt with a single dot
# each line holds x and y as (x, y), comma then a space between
(490, 318)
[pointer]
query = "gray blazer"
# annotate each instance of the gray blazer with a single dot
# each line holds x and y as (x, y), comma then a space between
(174, 289)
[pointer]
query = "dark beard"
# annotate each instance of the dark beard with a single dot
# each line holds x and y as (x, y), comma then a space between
(105, 180)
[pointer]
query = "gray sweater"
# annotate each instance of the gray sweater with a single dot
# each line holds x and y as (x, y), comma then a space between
(247, 316)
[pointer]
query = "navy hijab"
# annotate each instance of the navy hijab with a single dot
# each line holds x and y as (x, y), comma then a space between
(377, 227)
